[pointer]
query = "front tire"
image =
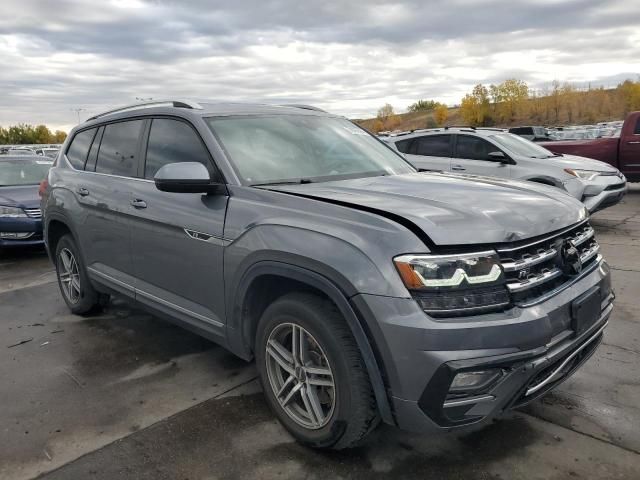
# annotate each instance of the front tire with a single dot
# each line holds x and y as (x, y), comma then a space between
(312, 373)
(76, 289)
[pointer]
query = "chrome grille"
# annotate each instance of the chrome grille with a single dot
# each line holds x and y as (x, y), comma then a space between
(537, 268)
(33, 212)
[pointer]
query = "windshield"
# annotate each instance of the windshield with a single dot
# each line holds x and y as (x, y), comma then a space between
(23, 172)
(521, 146)
(301, 149)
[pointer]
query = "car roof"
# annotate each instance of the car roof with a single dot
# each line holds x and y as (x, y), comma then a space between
(206, 108)
(480, 131)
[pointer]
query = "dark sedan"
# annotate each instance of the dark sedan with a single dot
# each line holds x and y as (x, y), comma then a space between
(20, 215)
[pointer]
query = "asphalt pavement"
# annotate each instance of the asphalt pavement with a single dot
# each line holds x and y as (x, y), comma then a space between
(126, 395)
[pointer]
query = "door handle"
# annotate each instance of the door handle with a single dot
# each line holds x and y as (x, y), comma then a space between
(458, 168)
(83, 192)
(633, 143)
(137, 203)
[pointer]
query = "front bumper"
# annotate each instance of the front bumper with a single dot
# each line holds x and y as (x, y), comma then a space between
(534, 349)
(604, 191)
(32, 226)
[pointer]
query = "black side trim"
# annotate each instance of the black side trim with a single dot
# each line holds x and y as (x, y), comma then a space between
(408, 224)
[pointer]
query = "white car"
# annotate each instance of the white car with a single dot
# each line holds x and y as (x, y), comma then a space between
(493, 152)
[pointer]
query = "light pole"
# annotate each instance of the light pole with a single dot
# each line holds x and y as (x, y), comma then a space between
(78, 110)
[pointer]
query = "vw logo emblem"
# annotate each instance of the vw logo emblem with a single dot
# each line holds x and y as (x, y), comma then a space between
(570, 258)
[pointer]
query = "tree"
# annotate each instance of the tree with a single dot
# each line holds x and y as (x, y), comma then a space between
(474, 107)
(59, 136)
(514, 94)
(629, 92)
(28, 134)
(385, 112)
(422, 105)
(440, 114)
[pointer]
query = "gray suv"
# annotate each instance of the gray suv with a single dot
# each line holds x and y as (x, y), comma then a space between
(364, 290)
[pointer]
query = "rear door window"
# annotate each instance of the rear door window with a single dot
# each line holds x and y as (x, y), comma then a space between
(473, 148)
(118, 153)
(173, 141)
(79, 148)
(432, 146)
(404, 146)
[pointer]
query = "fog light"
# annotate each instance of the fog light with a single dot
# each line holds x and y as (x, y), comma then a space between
(15, 235)
(474, 381)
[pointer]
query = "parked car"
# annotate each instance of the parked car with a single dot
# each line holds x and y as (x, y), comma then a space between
(20, 151)
(363, 289)
(48, 152)
(622, 150)
(20, 215)
(531, 133)
(487, 151)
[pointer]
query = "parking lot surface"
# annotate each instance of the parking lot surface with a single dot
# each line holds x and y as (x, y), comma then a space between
(125, 395)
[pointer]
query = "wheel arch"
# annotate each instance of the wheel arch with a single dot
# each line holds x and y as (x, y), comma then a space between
(279, 278)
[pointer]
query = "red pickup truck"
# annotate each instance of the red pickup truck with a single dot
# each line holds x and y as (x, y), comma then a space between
(622, 152)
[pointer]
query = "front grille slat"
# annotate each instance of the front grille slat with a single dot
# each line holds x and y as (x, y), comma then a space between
(33, 212)
(535, 270)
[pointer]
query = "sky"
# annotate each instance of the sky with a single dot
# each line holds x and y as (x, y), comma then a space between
(67, 59)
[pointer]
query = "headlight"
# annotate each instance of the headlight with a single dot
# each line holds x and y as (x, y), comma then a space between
(453, 285)
(583, 174)
(11, 212)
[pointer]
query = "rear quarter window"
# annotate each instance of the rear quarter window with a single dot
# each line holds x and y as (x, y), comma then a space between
(79, 148)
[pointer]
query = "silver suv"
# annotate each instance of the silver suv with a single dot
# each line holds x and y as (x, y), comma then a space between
(494, 152)
(364, 290)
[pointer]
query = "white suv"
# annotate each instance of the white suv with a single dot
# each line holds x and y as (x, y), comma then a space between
(494, 152)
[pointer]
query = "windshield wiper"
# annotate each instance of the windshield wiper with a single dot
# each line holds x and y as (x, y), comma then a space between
(285, 182)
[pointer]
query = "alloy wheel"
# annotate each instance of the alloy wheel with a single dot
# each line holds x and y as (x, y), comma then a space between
(69, 274)
(300, 376)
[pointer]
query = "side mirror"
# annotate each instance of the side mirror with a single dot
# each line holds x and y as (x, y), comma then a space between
(498, 157)
(185, 177)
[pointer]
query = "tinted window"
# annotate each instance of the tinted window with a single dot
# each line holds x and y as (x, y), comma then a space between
(637, 131)
(119, 148)
(404, 145)
(432, 146)
(521, 130)
(172, 141)
(79, 148)
(473, 148)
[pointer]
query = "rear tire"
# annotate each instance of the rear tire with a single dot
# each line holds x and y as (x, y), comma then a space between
(320, 391)
(76, 289)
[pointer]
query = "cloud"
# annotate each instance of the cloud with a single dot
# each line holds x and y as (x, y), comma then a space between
(348, 57)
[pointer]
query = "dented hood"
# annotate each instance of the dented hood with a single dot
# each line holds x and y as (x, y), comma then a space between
(455, 209)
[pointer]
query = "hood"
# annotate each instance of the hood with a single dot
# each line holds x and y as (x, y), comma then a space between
(583, 163)
(454, 209)
(24, 196)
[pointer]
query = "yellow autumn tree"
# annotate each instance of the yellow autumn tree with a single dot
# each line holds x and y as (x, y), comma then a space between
(440, 114)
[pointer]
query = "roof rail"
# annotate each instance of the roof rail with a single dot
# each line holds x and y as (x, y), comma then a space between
(156, 103)
(496, 129)
(459, 126)
(304, 107)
